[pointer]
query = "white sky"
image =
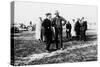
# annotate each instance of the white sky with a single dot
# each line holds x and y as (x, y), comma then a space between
(30, 11)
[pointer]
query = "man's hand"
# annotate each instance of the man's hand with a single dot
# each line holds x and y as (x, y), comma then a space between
(67, 29)
(64, 21)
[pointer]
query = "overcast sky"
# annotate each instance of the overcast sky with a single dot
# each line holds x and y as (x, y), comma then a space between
(30, 11)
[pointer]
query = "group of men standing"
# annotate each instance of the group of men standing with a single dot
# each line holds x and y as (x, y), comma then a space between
(53, 28)
(80, 29)
(53, 23)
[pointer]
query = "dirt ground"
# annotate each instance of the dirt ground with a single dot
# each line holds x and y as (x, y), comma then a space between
(28, 51)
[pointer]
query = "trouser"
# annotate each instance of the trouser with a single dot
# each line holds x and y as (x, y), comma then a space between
(48, 35)
(83, 35)
(68, 34)
(78, 35)
(58, 35)
(48, 43)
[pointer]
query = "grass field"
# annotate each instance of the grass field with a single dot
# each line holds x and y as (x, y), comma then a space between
(29, 51)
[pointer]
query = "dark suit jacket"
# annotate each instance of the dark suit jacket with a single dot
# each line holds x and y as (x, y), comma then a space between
(47, 26)
(77, 26)
(68, 26)
(57, 22)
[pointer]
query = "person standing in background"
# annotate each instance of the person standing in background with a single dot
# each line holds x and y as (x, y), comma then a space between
(38, 28)
(42, 31)
(83, 28)
(77, 29)
(68, 30)
(73, 26)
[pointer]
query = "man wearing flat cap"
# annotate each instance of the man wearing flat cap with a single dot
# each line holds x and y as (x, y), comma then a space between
(47, 27)
(57, 23)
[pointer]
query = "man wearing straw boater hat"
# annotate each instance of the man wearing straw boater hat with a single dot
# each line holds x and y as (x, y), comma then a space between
(57, 23)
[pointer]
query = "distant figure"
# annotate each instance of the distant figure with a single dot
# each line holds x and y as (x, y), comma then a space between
(85, 25)
(73, 34)
(30, 23)
(57, 24)
(83, 29)
(42, 31)
(68, 30)
(47, 27)
(77, 29)
(38, 29)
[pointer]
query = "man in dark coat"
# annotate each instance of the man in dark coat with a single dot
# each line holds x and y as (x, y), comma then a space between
(83, 29)
(68, 30)
(85, 25)
(57, 23)
(77, 29)
(48, 33)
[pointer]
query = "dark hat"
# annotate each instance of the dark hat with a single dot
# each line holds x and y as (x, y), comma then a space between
(48, 14)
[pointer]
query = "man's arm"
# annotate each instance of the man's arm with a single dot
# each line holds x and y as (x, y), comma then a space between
(43, 23)
(53, 21)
